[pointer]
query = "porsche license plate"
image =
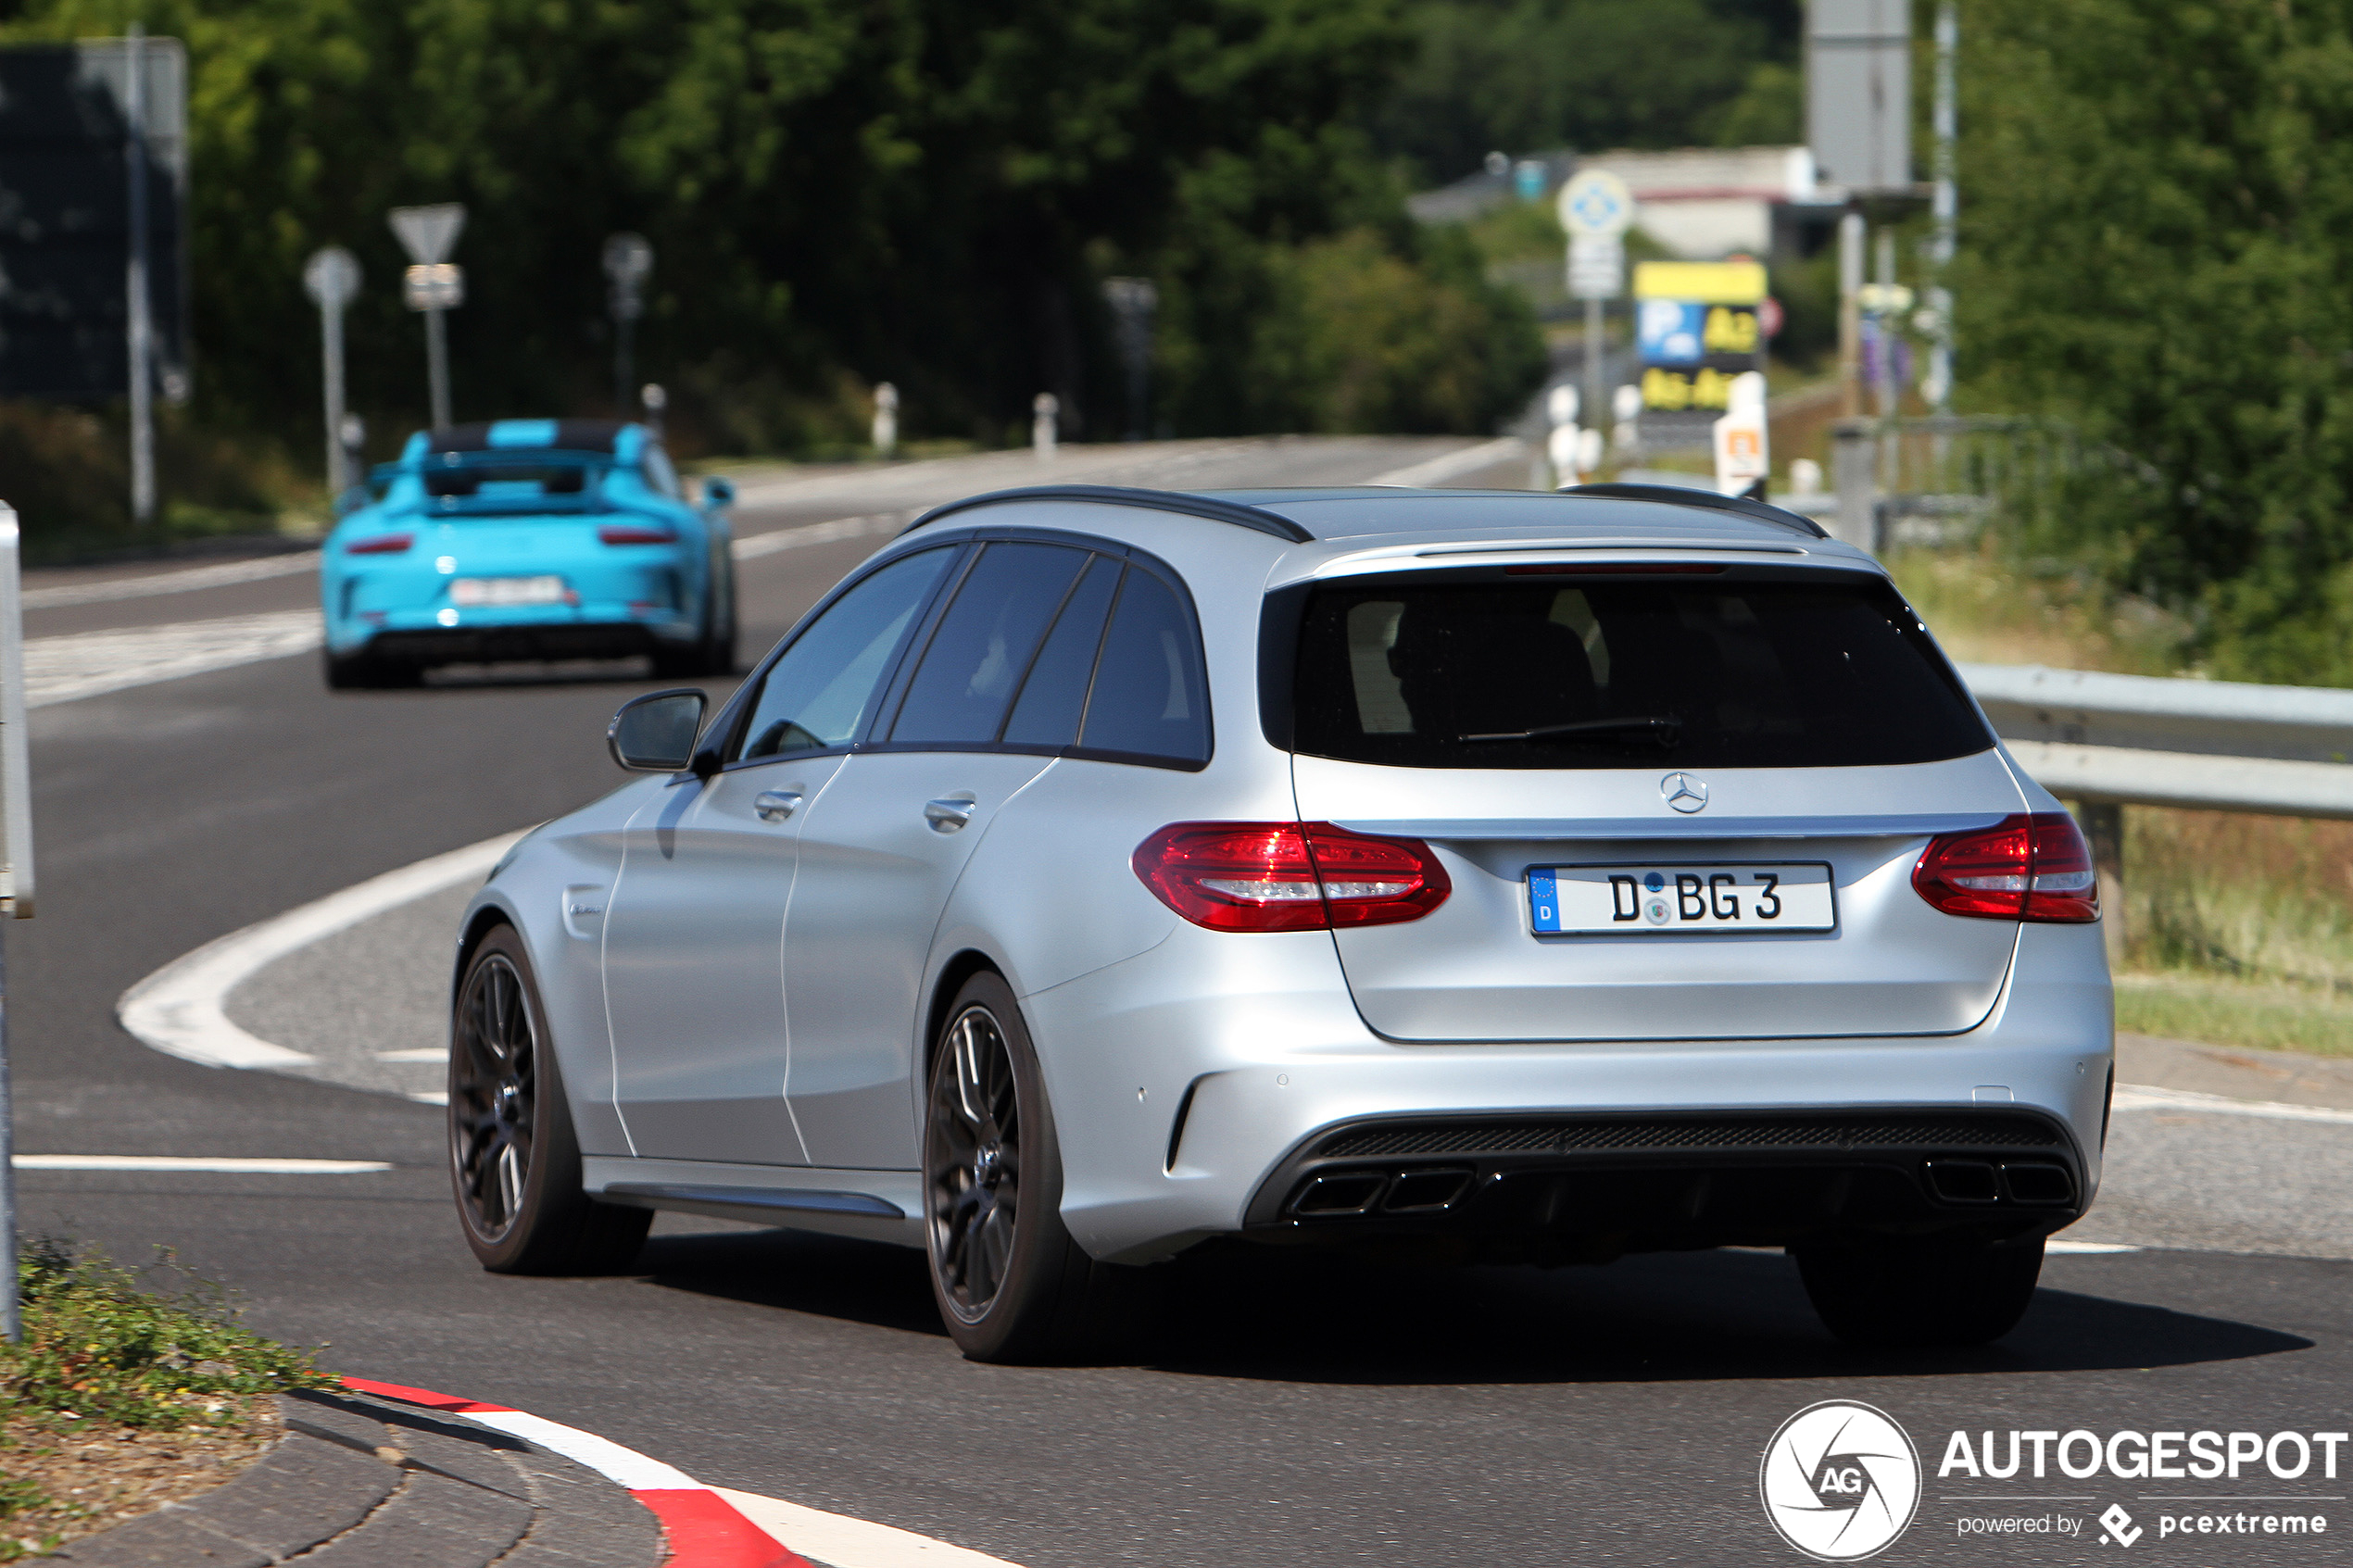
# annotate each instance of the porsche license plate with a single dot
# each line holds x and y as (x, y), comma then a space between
(1583, 900)
(469, 591)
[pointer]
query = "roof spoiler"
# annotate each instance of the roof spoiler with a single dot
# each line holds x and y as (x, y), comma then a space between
(1676, 496)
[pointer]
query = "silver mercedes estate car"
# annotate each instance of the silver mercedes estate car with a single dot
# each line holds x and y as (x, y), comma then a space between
(1499, 876)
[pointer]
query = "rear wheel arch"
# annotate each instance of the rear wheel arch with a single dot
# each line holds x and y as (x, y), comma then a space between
(952, 976)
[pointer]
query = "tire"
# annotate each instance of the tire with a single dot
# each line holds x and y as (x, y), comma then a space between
(1935, 1291)
(514, 1159)
(1011, 1283)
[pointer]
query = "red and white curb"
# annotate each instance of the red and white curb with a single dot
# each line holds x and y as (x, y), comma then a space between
(706, 1526)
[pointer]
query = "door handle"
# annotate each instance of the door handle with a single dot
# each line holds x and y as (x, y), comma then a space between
(775, 805)
(949, 813)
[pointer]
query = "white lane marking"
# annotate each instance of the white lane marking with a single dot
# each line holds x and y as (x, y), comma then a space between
(90, 663)
(222, 575)
(421, 1053)
(2148, 1097)
(2088, 1248)
(1439, 469)
(177, 1010)
(755, 545)
(838, 1541)
(198, 1163)
(607, 1458)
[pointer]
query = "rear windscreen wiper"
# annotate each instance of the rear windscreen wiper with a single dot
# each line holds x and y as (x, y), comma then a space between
(1664, 730)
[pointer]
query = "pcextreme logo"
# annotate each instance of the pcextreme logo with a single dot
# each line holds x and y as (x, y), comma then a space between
(1839, 1481)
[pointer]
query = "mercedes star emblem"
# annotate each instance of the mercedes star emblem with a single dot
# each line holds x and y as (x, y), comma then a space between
(1684, 792)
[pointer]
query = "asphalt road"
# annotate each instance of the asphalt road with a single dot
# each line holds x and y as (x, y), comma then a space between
(1309, 1414)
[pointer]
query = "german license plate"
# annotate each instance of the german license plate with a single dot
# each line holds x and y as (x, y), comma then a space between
(507, 591)
(1582, 901)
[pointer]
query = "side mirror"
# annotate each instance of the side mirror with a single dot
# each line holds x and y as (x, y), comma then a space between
(718, 491)
(655, 734)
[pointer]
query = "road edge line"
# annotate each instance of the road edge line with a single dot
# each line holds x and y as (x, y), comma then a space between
(181, 1008)
(701, 1528)
(1434, 471)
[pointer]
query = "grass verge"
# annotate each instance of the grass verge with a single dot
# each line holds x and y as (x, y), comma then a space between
(118, 1399)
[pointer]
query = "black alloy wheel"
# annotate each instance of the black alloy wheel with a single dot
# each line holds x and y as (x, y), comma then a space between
(494, 1097)
(1011, 1283)
(514, 1157)
(972, 1162)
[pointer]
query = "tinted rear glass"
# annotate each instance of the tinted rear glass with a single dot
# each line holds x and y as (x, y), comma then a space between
(1150, 698)
(984, 644)
(1681, 673)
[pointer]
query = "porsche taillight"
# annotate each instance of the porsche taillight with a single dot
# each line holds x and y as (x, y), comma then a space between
(1288, 876)
(2033, 866)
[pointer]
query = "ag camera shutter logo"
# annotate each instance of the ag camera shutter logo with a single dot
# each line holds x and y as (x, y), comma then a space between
(1839, 1481)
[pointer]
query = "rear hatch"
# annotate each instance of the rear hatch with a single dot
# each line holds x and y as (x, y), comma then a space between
(1678, 800)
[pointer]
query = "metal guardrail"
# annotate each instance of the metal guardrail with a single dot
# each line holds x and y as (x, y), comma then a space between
(2139, 740)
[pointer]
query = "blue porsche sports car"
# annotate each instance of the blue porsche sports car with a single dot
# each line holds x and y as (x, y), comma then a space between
(529, 539)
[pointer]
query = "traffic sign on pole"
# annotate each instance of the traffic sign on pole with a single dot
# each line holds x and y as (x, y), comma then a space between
(1596, 267)
(1596, 204)
(433, 285)
(429, 233)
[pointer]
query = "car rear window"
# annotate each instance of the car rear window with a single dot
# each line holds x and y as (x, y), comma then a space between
(1624, 673)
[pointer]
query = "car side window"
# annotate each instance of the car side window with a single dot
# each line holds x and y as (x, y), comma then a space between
(817, 694)
(984, 644)
(1151, 697)
(1055, 694)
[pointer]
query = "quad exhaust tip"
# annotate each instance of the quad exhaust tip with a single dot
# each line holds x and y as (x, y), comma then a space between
(1368, 1192)
(2033, 1182)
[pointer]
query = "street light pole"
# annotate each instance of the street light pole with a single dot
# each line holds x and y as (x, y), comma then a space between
(629, 261)
(332, 277)
(140, 320)
(1947, 206)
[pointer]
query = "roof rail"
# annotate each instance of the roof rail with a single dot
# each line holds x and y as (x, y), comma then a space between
(1675, 495)
(1122, 496)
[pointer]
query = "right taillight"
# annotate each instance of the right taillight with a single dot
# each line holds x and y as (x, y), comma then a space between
(2033, 866)
(1288, 876)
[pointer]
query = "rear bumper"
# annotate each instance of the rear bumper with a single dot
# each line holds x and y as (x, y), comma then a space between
(1564, 1188)
(525, 640)
(1197, 1087)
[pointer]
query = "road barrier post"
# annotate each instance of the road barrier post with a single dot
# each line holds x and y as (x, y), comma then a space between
(15, 877)
(2104, 825)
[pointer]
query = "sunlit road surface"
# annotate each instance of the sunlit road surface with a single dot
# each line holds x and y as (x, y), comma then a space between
(1312, 1412)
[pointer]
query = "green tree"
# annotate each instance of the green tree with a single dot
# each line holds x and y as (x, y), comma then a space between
(2158, 223)
(910, 190)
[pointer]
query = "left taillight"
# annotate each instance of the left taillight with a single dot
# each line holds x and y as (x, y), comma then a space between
(379, 545)
(2032, 866)
(1288, 876)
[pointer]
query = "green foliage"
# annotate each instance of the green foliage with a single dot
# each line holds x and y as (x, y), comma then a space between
(96, 1346)
(1530, 75)
(905, 190)
(2155, 211)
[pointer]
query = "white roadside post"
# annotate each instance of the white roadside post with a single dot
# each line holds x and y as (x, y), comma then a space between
(1743, 460)
(886, 419)
(1627, 404)
(1560, 445)
(16, 875)
(1596, 210)
(433, 285)
(332, 278)
(1045, 410)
